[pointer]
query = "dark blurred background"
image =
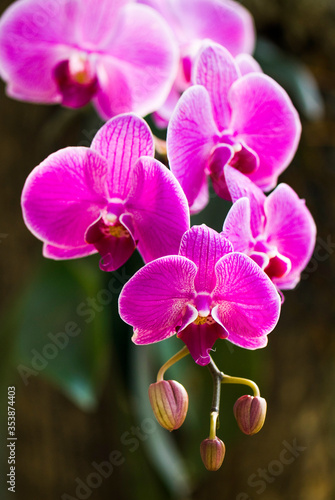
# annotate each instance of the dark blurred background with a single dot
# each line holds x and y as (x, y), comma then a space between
(85, 403)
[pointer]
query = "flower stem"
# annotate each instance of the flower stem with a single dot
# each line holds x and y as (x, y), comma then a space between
(177, 357)
(243, 381)
(217, 377)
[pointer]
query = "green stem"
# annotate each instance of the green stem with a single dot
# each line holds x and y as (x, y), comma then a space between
(217, 377)
(226, 379)
(177, 357)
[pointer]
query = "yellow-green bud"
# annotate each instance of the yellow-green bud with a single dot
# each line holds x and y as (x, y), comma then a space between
(250, 413)
(212, 453)
(169, 401)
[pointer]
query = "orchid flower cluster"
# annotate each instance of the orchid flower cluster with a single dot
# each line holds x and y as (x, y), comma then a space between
(189, 63)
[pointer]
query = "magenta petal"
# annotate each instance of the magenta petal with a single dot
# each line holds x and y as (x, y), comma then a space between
(114, 95)
(248, 305)
(122, 140)
(64, 195)
(190, 139)
(290, 228)
(200, 339)
(59, 253)
(216, 70)
(241, 186)
(247, 64)
(114, 250)
(236, 227)
(227, 23)
(154, 299)
(32, 42)
(159, 209)
(147, 55)
(264, 117)
(204, 247)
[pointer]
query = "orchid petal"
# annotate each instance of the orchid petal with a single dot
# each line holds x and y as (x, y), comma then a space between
(200, 339)
(190, 139)
(236, 227)
(248, 304)
(159, 209)
(247, 64)
(216, 70)
(204, 247)
(148, 63)
(114, 95)
(290, 227)
(154, 299)
(122, 140)
(239, 185)
(64, 195)
(264, 117)
(33, 41)
(59, 253)
(225, 22)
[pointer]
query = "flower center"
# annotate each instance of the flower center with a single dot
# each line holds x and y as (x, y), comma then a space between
(81, 70)
(201, 320)
(76, 79)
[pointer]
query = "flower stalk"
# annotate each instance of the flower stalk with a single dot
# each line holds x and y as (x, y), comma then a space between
(177, 357)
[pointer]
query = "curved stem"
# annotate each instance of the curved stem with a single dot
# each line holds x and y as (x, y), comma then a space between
(180, 355)
(243, 381)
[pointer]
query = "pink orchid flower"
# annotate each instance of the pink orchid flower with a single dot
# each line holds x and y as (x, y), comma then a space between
(278, 231)
(225, 22)
(206, 292)
(110, 198)
(248, 122)
(118, 54)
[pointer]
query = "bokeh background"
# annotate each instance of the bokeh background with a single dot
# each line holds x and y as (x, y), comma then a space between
(86, 403)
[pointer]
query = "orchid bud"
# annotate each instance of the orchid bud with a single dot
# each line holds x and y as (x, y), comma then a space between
(212, 453)
(169, 401)
(250, 413)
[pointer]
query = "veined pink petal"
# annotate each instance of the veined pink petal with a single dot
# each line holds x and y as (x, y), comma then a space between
(204, 246)
(264, 117)
(239, 185)
(200, 339)
(154, 300)
(159, 209)
(248, 305)
(147, 55)
(60, 253)
(216, 70)
(190, 139)
(236, 227)
(63, 196)
(291, 228)
(122, 141)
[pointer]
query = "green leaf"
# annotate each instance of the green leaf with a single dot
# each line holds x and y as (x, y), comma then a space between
(62, 323)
